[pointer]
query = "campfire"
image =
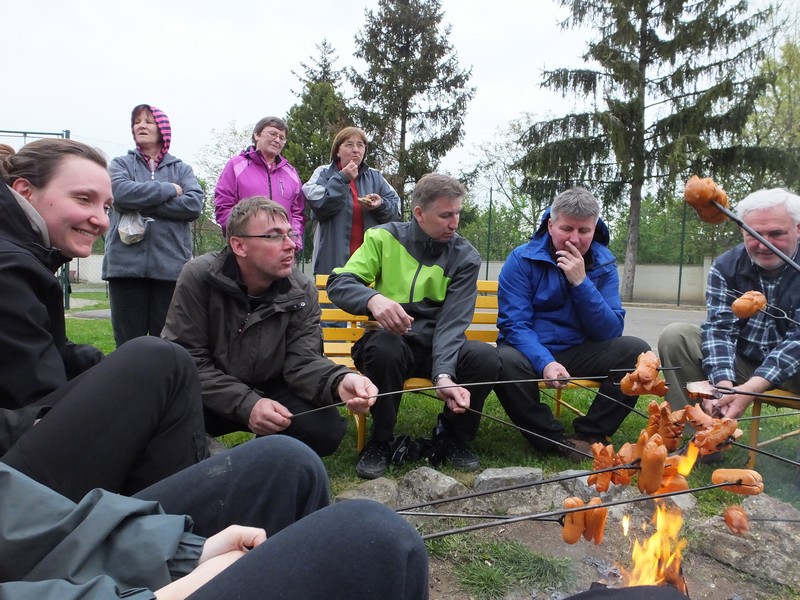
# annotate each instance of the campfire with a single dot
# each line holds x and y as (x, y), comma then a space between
(657, 560)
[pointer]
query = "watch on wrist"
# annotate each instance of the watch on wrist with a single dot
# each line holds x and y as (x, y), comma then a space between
(441, 376)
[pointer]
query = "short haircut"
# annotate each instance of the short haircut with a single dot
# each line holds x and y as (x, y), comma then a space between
(436, 185)
(577, 202)
(241, 214)
(343, 136)
(39, 161)
(770, 199)
(275, 122)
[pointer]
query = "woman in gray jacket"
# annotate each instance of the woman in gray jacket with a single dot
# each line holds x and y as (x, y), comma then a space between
(346, 198)
(161, 193)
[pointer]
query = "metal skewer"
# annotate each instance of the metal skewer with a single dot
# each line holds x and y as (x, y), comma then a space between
(733, 217)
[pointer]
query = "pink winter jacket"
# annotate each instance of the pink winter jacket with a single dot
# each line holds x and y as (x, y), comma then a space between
(247, 175)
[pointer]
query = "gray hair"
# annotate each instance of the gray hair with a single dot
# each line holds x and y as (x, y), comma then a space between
(770, 199)
(576, 202)
(275, 122)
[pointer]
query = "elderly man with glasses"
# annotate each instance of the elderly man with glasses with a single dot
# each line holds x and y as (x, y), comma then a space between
(250, 319)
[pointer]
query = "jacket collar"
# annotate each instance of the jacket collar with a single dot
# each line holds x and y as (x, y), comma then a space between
(254, 155)
(23, 226)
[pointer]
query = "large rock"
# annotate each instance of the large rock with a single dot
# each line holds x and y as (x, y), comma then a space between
(768, 551)
(381, 490)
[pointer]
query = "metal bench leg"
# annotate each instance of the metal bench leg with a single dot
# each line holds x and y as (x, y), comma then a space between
(361, 430)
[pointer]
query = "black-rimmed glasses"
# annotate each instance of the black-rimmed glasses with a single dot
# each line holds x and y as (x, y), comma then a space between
(273, 237)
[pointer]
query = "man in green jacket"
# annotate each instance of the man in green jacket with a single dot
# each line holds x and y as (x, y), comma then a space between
(423, 277)
(250, 319)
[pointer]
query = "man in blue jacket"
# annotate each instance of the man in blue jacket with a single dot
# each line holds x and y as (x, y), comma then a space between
(561, 316)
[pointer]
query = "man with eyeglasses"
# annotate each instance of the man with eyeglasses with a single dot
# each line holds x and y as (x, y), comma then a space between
(250, 319)
(754, 354)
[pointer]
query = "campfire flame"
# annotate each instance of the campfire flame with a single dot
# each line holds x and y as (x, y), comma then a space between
(657, 561)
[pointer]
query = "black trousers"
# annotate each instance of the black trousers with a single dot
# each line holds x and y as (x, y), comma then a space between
(138, 306)
(322, 431)
(389, 359)
(523, 406)
(131, 420)
(312, 550)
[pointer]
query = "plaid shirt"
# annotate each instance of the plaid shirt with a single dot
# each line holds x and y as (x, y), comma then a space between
(757, 338)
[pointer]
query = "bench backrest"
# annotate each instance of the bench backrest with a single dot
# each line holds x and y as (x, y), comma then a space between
(339, 339)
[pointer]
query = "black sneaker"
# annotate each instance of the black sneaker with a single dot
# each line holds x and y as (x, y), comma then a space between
(458, 454)
(373, 460)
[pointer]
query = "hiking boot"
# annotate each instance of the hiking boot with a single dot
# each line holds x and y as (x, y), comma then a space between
(373, 460)
(458, 454)
(575, 449)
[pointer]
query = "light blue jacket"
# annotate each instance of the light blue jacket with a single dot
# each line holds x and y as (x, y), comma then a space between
(167, 245)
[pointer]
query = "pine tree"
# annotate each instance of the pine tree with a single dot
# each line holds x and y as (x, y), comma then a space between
(673, 83)
(321, 113)
(413, 94)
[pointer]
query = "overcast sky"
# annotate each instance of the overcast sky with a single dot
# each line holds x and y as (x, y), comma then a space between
(83, 64)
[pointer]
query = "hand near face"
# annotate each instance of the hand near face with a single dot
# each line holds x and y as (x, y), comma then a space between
(358, 392)
(553, 371)
(571, 263)
(350, 171)
(268, 417)
(389, 314)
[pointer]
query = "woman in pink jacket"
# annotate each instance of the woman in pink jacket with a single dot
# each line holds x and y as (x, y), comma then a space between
(262, 171)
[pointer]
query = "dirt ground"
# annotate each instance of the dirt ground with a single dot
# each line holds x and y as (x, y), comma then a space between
(706, 578)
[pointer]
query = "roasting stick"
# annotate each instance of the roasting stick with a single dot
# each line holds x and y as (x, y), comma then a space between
(778, 312)
(565, 511)
(733, 217)
(439, 387)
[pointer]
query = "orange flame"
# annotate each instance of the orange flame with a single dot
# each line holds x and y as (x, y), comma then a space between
(686, 462)
(657, 561)
(626, 524)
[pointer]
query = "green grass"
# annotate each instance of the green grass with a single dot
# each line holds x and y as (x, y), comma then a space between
(489, 569)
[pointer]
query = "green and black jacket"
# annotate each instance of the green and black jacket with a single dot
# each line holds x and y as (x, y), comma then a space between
(435, 283)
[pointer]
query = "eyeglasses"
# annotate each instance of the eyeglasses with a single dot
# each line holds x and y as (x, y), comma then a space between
(274, 238)
(275, 134)
(351, 145)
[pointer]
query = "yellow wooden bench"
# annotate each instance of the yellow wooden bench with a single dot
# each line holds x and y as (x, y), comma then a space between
(338, 340)
(756, 412)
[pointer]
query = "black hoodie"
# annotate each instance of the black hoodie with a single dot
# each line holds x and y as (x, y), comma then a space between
(37, 357)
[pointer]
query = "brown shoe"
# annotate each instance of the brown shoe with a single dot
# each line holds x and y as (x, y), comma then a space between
(575, 450)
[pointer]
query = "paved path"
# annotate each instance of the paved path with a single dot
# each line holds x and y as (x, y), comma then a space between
(647, 322)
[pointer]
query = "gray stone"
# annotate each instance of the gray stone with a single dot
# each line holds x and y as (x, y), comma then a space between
(426, 484)
(381, 490)
(768, 551)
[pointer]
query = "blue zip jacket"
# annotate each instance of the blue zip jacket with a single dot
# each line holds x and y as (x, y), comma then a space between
(541, 314)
